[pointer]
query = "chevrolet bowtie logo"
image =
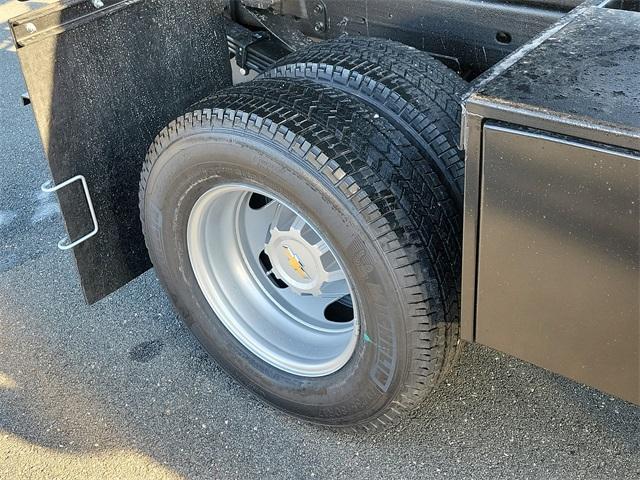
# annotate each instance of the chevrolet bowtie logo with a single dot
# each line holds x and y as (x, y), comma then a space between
(295, 263)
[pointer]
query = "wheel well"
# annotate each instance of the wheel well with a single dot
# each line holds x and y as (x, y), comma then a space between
(469, 36)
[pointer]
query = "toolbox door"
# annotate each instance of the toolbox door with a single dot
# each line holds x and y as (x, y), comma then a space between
(559, 256)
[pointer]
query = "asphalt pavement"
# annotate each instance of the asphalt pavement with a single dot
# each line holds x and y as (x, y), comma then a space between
(122, 390)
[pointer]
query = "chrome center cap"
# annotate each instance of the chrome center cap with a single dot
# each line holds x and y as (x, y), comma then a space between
(296, 262)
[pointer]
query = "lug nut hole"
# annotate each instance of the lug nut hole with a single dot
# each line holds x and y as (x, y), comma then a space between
(340, 311)
(503, 37)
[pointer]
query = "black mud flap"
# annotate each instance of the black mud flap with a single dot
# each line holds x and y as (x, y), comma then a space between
(103, 81)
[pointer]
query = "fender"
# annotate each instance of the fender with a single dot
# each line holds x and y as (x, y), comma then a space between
(104, 77)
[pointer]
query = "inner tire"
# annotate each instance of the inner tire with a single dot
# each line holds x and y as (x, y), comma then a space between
(414, 91)
(400, 336)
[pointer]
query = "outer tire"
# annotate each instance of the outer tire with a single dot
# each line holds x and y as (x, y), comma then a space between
(403, 338)
(410, 177)
(414, 91)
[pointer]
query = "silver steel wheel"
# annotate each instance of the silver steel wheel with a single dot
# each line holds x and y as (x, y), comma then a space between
(272, 280)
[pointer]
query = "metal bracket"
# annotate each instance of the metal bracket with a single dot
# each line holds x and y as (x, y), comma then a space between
(63, 244)
(318, 17)
(245, 41)
(259, 53)
(32, 27)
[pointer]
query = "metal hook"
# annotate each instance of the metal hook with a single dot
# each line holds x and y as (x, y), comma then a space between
(63, 244)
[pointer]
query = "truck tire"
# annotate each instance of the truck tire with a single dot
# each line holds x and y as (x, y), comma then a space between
(293, 261)
(410, 177)
(413, 90)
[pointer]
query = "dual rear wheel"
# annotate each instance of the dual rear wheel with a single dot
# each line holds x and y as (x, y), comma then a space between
(308, 231)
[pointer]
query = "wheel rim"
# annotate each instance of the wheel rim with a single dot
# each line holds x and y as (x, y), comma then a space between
(273, 281)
